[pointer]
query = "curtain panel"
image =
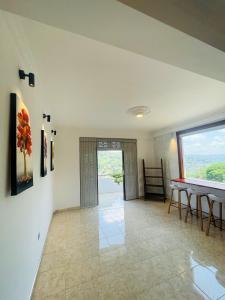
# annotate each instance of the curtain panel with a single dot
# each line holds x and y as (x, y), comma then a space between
(130, 170)
(88, 173)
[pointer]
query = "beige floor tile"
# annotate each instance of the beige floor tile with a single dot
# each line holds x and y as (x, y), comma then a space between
(54, 245)
(54, 260)
(147, 274)
(162, 291)
(85, 291)
(57, 296)
(133, 250)
(84, 271)
(114, 286)
(50, 282)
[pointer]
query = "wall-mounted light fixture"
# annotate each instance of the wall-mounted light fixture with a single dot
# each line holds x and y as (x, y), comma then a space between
(54, 132)
(47, 116)
(22, 75)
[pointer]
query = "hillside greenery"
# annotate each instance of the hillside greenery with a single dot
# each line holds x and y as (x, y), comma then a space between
(213, 172)
(110, 165)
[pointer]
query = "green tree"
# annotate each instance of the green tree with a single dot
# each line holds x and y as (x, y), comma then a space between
(117, 177)
(213, 172)
(216, 172)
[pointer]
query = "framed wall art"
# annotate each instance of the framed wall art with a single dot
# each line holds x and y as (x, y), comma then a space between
(52, 145)
(44, 152)
(21, 146)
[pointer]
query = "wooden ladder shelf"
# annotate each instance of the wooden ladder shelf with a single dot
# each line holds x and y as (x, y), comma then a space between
(156, 189)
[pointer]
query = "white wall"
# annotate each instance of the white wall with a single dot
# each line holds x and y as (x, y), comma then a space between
(67, 181)
(23, 216)
(165, 147)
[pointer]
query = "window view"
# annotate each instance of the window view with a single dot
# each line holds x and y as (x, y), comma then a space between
(204, 154)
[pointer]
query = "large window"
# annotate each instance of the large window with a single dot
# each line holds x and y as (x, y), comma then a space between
(202, 152)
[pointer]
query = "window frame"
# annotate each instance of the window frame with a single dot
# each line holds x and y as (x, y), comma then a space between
(193, 130)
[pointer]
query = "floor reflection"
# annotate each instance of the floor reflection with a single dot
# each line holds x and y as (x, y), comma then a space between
(111, 220)
(110, 200)
(206, 279)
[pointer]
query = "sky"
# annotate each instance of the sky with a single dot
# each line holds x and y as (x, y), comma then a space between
(209, 142)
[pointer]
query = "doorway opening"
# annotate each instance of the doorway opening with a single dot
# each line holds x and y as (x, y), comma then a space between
(110, 178)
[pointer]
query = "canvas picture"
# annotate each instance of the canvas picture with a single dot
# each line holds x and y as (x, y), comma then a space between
(21, 146)
(52, 156)
(44, 152)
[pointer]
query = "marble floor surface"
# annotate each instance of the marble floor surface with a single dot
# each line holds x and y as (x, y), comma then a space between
(110, 200)
(130, 251)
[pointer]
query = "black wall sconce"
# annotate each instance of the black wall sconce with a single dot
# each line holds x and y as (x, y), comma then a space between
(54, 132)
(22, 75)
(47, 116)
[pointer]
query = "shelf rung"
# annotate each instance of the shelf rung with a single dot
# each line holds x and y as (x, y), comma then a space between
(153, 168)
(155, 185)
(148, 176)
(156, 194)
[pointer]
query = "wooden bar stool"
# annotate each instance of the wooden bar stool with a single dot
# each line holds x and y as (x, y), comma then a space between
(194, 192)
(211, 200)
(178, 204)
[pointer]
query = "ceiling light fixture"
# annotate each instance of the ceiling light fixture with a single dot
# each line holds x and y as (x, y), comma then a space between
(139, 111)
(139, 115)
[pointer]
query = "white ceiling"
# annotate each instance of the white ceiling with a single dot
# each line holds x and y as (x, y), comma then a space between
(117, 24)
(91, 84)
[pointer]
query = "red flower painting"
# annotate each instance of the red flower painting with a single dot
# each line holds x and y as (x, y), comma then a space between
(21, 146)
(24, 140)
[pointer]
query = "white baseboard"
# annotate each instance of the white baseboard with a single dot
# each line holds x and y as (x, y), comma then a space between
(66, 209)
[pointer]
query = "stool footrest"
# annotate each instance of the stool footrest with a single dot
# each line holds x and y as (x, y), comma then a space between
(218, 226)
(195, 210)
(175, 204)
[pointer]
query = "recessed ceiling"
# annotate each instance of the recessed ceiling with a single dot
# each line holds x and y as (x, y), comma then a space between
(89, 84)
(117, 24)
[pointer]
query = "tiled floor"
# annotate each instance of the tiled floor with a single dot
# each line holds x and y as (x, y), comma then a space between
(132, 251)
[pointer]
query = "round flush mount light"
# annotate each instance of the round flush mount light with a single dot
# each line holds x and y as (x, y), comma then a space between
(139, 111)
